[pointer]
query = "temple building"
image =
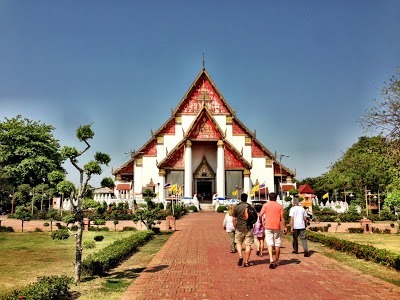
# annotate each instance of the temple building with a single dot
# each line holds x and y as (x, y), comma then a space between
(204, 149)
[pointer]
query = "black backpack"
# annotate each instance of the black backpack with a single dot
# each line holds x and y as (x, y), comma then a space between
(252, 216)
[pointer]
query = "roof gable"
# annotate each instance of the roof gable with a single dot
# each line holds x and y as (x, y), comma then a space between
(203, 92)
(305, 189)
(204, 127)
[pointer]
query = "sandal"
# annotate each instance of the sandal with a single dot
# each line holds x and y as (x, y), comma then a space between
(240, 262)
(246, 265)
(272, 265)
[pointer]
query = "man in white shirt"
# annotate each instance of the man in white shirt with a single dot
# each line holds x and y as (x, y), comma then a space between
(298, 221)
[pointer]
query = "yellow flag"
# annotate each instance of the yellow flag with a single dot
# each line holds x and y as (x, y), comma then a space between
(252, 194)
(325, 196)
(234, 193)
(173, 188)
(255, 188)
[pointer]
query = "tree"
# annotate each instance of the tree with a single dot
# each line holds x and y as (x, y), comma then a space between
(84, 134)
(23, 214)
(149, 216)
(28, 151)
(385, 115)
(107, 182)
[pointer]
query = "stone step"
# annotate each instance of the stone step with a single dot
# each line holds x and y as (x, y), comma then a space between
(207, 206)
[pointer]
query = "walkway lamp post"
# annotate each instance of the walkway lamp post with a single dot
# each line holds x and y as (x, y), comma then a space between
(11, 196)
(376, 196)
(32, 194)
(280, 166)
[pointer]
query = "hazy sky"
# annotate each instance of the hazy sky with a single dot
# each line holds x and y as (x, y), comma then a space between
(300, 73)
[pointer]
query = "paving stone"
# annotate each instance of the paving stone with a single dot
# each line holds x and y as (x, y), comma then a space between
(196, 263)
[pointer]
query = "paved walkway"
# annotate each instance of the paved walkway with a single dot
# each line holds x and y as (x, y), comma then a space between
(196, 263)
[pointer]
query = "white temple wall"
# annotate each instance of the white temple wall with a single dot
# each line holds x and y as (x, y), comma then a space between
(221, 120)
(186, 122)
(247, 154)
(150, 171)
(238, 142)
(262, 173)
(137, 181)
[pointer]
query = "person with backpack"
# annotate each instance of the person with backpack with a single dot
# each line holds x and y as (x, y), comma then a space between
(243, 232)
(274, 221)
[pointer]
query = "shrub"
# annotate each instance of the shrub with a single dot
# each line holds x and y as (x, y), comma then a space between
(89, 244)
(376, 230)
(6, 229)
(46, 288)
(129, 228)
(386, 231)
(113, 254)
(37, 229)
(104, 228)
(392, 225)
(367, 252)
(98, 238)
(46, 224)
(99, 222)
(74, 227)
(60, 234)
(193, 208)
(221, 208)
(355, 230)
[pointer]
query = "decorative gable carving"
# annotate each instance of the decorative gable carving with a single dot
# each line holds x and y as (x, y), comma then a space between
(204, 170)
(175, 160)
(203, 93)
(204, 129)
(237, 129)
(256, 150)
(151, 149)
(169, 128)
(232, 161)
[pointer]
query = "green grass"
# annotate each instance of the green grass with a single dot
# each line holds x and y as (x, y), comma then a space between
(383, 241)
(114, 284)
(389, 242)
(26, 256)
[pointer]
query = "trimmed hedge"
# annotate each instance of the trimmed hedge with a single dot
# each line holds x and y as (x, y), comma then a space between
(367, 252)
(46, 288)
(110, 256)
(355, 230)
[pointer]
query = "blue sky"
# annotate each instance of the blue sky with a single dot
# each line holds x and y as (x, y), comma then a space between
(300, 73)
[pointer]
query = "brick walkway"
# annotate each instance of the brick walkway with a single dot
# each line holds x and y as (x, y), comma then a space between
(196, 263)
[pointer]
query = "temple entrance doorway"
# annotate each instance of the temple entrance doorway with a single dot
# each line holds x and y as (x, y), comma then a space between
(204, 190)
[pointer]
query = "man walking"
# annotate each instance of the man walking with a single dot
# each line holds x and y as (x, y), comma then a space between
(298, 221)
(274, 221)
(243, 234)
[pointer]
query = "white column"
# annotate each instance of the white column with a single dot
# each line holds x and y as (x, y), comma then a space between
(161, 180)
(220, 170)
(138, 173)
(188, 170)
(246, 184)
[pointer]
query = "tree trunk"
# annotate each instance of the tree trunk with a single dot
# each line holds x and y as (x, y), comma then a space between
(22, 224)
(78, 252)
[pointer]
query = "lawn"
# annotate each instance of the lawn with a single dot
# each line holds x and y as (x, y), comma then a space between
(389, 242)
(26, 256)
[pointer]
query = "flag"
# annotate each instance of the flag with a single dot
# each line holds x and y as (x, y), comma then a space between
(252, 194)
(262, 186)
(325, 196)
(167, 186)
(179, 190)
(234, 193)
(173, 188)
(255, 188)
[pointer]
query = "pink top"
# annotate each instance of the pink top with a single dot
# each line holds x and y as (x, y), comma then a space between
(272, 211)
(258, 230)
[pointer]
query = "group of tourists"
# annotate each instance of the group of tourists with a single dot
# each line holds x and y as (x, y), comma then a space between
(268, 228)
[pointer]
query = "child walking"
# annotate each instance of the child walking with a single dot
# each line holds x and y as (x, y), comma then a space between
(230, 228)
(259, 233)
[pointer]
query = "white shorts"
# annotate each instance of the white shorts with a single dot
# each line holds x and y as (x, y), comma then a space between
(273, 237)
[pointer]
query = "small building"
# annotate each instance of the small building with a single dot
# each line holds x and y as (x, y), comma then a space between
(307, 193)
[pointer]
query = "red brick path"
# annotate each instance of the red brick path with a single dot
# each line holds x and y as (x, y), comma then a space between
(196, 263)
